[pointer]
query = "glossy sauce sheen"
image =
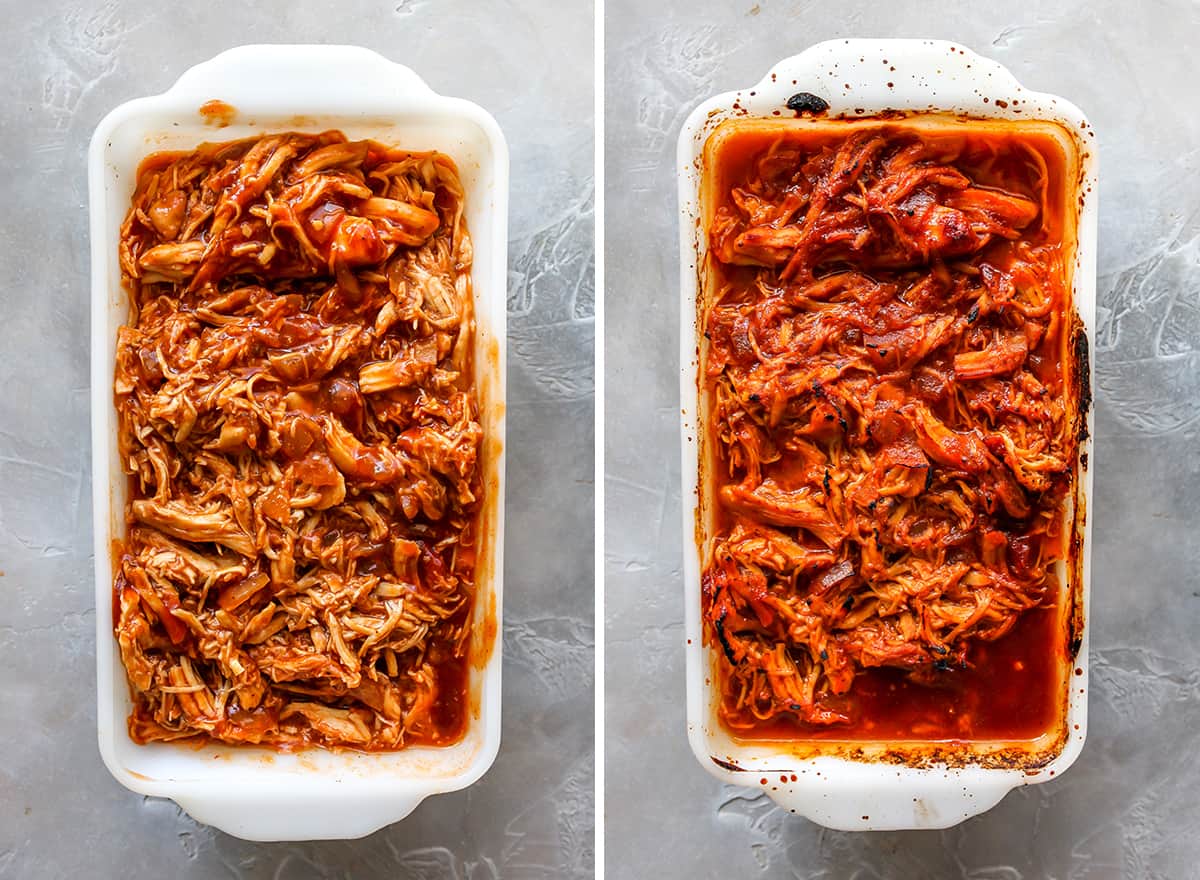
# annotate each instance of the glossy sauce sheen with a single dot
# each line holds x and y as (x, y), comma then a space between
(1010, 688)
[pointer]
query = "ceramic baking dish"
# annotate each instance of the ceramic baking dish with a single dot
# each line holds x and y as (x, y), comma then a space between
(254, 793)
(882, 787)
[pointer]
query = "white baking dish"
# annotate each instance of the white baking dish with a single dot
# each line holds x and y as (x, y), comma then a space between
(840, 788)
(261, 794)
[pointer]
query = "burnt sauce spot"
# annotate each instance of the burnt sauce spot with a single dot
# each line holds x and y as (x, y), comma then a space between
(1083, 376)
(807, 102)
(726, 765)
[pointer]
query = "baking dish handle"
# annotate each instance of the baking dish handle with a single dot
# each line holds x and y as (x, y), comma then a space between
(906, 803)
(280, 816)
(284, 79)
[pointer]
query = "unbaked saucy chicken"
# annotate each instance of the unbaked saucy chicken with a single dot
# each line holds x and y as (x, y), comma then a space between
(296, 411)
(891, 437)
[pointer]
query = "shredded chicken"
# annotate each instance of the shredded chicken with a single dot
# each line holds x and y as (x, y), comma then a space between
(885, 386)
(296, 413)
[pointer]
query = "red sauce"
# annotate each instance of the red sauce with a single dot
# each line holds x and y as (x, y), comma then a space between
(450, 711)
(1011, 691)
(217, 113)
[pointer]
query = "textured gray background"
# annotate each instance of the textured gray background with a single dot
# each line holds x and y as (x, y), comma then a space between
(1129, 807)
(63, 65)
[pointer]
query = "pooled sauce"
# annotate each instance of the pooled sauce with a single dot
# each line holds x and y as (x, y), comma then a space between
(1010, 691)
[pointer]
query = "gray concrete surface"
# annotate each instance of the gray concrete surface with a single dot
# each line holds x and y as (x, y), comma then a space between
(1129, 807)
(63, 64)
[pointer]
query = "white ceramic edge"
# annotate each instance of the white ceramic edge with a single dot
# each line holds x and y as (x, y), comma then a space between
(350, 806)
(924, 75)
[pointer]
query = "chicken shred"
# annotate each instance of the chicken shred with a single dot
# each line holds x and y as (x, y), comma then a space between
(297, 417)
(891, 444)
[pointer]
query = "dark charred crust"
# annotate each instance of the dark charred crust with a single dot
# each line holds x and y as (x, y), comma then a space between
(819, 390)
(719, 626)
(1083, 375)
(807, 102)
(840, 417)
(726, 765)
(825, 482)
(933, 756)
(973, 314)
